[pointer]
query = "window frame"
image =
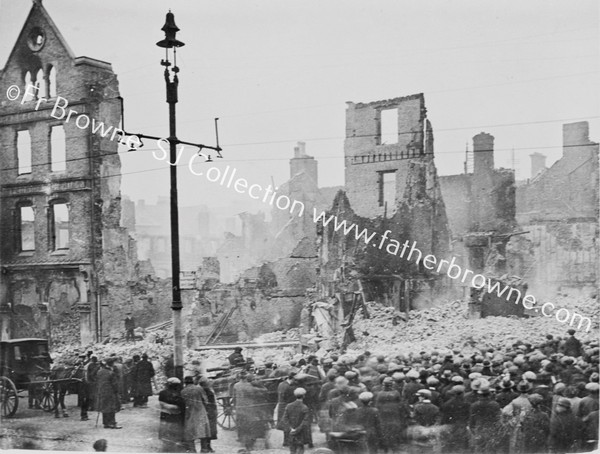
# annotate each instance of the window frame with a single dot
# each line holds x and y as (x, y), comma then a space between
(381, 185)
(19, 226)
(52, 243)
(17, 159)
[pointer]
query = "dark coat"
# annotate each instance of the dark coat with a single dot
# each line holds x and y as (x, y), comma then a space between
(456, 411)
(296, 417)
(171, 423)
(484, 413)
(564, 432)
(211, 410)
(572, 347)
(587, 405)
(410, 391)
(196, 418)
(369, 419)
(251, 412)
(535, 428)
(285, 396)
(141, 376)
(426, 414)
(107, 392)
(505, 397)
(393, 414)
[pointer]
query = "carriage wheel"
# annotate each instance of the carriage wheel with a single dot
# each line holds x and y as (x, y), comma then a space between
(226, 413)
(9, 399)
(47, 397)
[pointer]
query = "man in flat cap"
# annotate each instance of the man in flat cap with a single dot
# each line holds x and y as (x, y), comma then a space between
(296, 419)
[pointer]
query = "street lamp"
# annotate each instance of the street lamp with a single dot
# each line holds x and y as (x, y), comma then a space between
(172, 81)
(170, 42)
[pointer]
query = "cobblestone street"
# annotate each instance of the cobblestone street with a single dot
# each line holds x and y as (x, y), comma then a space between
(36, 429)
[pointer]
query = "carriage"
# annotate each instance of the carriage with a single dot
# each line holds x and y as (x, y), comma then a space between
(25, 365)
(223, 379)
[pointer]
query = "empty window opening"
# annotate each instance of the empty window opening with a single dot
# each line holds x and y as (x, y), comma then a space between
(387, 188)
(389, 126)
(52, 82)
(23, 152)
(40, 83)
(26, 228)
(58, 152)
(60, 226)
(28, 94)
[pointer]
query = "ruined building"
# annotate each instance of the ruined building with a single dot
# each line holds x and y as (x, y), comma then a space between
(558, 207)
(391, 183)
(65, 260)
(481, 211)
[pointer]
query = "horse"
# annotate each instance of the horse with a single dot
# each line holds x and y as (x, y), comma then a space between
(65, 379)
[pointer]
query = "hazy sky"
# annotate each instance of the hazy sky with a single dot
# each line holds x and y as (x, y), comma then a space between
(277, 72)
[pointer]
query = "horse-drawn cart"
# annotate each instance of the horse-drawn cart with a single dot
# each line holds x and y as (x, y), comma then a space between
(25, 366)
(223, 383)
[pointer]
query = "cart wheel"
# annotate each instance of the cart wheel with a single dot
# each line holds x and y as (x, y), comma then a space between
(226, 413)
(47, 397)
(9, 399)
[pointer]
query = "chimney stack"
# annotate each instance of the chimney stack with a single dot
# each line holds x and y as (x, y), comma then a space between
(538, 163)
(483, 153)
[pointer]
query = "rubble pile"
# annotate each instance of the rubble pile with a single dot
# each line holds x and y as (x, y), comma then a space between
(279, 336)
(65, 329)
(448, 327)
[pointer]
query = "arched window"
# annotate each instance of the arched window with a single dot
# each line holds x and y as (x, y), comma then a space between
(28, 81)
(40, 83)
(51, 82)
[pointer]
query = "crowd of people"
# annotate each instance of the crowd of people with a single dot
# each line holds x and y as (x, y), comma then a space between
(523, 399)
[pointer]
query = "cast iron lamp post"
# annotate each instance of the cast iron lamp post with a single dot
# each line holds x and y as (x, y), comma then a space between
(172, 81)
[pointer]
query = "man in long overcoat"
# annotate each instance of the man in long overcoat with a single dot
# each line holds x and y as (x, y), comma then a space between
(107, 395)
(142, 374)
(196, 425)
(393, 414)
(251, 417)
(172, 415)
(484, 422)
(285, 396)
(535, 426)
(296, 418)
(369, 419)
(455, 414)
(211, 412)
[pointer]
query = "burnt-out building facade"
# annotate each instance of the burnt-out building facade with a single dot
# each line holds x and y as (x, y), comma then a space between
(558, 208)
(61, 241)
(391, 183)
(481, 210)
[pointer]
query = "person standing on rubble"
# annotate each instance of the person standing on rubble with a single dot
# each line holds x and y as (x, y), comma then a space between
(572, 346)
(236, 359)
(129, 328)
